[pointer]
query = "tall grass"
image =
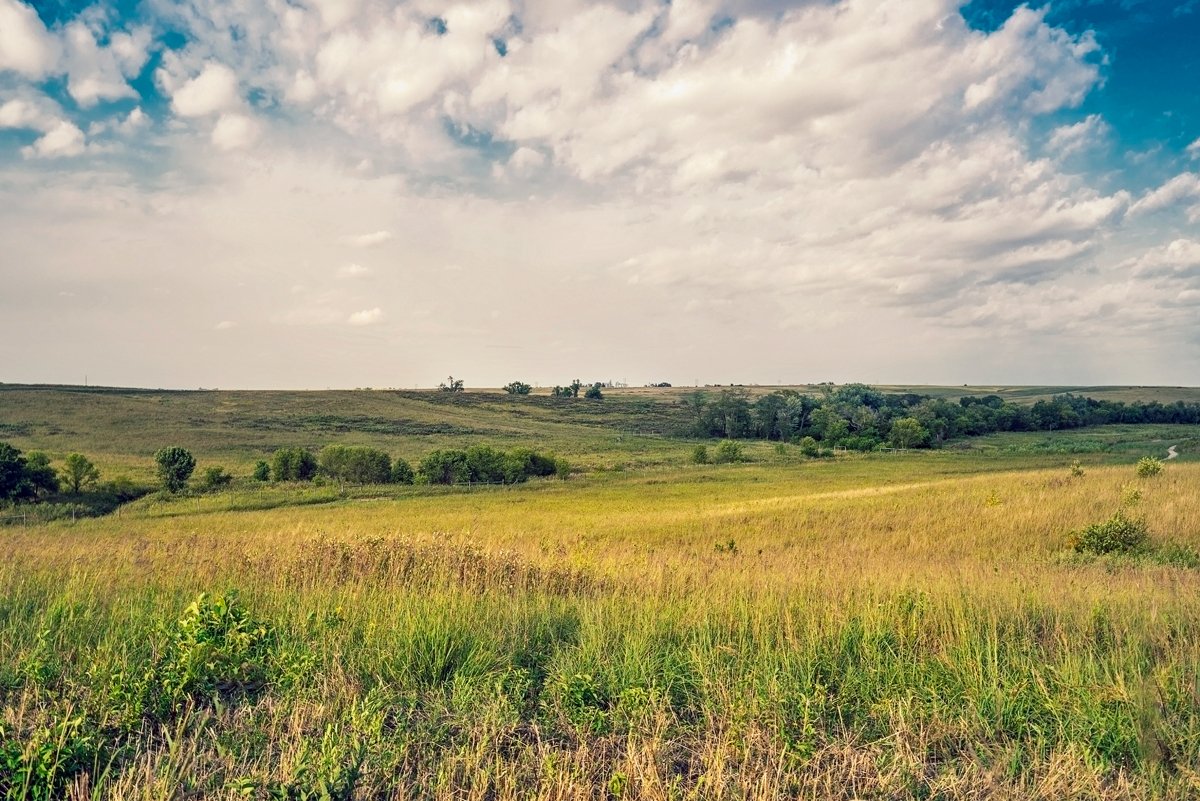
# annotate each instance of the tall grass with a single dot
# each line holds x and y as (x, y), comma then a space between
(856, 635)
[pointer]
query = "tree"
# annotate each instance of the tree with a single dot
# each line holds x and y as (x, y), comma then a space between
(12, 470)
(402, 472)
(79, 473)
(445, 467)
(293, 464)
(576, 385)
(907, 432)
(518, 388)
(356, 464)
(593, 392)
(40, 478)
(175, 466)
(262, 471)
(451, 384)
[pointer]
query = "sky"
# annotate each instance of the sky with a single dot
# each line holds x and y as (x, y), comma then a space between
(351, 193)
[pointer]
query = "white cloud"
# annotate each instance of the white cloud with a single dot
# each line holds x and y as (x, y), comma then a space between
(1193, 150)
(365, 317)
(373, 239)
(235, 131)
(96, 73)
(63, 140)
(526, 158)
(1067, 140)
(215, 89)
(352, 270)
(25, 44)
(31, 112)
(1183, 188)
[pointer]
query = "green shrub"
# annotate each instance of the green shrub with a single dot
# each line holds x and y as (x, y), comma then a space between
(809, 447)
(262, 471)
(215, 478)
(1076, 469)
(562, 469)
(445, 467)
(402, 472)
(356, 464)
(293, 464)
(700, 454)
(728, 451)
(1117, 535)
(1149, 466)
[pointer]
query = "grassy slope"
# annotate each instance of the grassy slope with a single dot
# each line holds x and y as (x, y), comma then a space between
(887, 626)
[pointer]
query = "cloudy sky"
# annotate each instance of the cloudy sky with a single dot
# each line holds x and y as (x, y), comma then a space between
(342, 193)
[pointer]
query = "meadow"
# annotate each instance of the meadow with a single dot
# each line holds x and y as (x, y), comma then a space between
(889, 626)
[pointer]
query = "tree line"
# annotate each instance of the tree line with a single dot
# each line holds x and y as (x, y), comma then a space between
(859, 417)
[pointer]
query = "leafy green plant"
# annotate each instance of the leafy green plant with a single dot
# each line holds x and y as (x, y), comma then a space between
(1149, 466)
(1117, 535)
(175, 466)
(700, 454)
(729, 451)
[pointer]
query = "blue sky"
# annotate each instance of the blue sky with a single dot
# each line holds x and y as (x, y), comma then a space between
(360, 193)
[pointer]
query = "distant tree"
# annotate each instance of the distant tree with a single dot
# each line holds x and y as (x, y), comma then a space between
(262, 471)
(576, 385)
(518, 388)
(907, 432)
(700, 454)
(445, 467)
(40, 478)
(355, 464)
(593, 392)
(79, 473)
(451, 384)
(215, 478)
(561, 392)
(728, 451)
(402, 472)
(293, 464)
(175, 466)
(12, 471)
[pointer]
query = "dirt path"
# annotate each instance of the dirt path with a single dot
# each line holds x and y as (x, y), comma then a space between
(1171, 453)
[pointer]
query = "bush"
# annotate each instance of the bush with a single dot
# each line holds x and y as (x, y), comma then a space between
(1119, 534)
(593, 392)
(356, 464)
(1149, 466)
(562, 469)
(215, 478)
(728, 451)
(700, 454)
(402, 472)
(1076, 469)
(175, 466)
(262, 471)
(445, 467)
(518, 388)
(809, 447)
(293, 464)
(485, 465)
(523, 463)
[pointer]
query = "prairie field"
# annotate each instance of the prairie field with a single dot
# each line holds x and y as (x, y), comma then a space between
(884, 626)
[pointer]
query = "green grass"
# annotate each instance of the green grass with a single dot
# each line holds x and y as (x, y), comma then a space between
(886, 626)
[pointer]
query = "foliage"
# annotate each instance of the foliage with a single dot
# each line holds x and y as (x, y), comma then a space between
(356, 464)
(1149, 466)
(444, 467)
(293, 464)
(79, 473)
(518, 388)
(175, 466)
(1077, 470)
(451, 384)
(1119, 534)
(728, 451)
(700, 454)
(907, 432)
(402, 472)
(594, 392)
(12, 471)
(262, 471)
(25, 477)
(215, 478)
(562, 468)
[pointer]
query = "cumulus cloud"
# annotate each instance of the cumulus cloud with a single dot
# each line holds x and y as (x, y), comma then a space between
(215, 89)
(235, 131)
(366, 317)
(26, 46)
(96, 73)
(64, 139)
(1067, 140)
(59, 136)
(1183, 188)
(373, 239)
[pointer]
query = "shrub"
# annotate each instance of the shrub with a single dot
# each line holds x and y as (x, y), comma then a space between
(1076, 469)
(262, 471)
(1149, 466)
(809, 447)
(175, 466)
(215, 478)
(728, 451)
(293, 464)
(594, 392)
(485, 464)
(562, 469)
(356, 464)
(1119, 534)
(518, 388)
(700, 454)
(402, 472)
(523, 463)
(79, 473)
(445, 467)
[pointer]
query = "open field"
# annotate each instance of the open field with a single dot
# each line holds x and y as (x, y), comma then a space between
(891, 626)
